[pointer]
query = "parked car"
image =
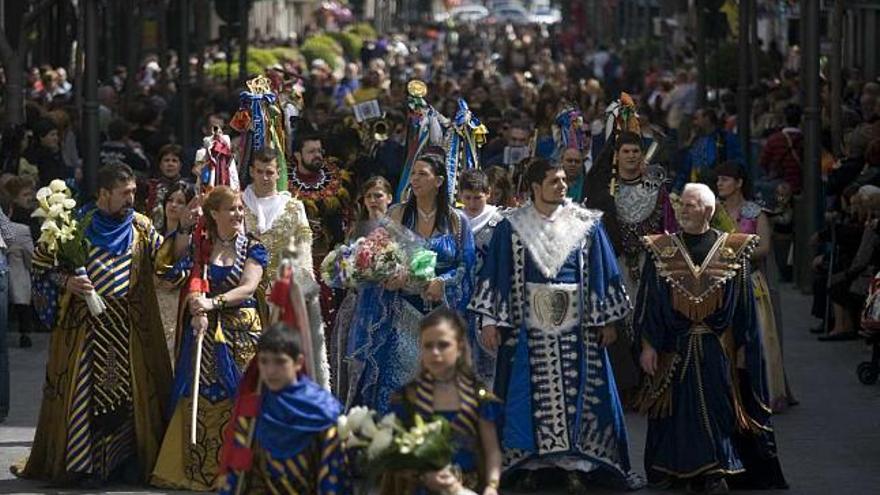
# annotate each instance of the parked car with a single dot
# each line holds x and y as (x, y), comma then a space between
(463, 14)
(544, 14)
(510, 13)
(468, 14)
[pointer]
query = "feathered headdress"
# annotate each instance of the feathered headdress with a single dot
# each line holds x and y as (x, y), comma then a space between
(570, 130)
(620, 116)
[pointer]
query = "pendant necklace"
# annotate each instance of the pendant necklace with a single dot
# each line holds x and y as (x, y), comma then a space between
(227, 242)
(426, 217)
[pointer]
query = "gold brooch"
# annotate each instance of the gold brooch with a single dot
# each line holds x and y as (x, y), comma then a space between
(668, 252)
(728, 253)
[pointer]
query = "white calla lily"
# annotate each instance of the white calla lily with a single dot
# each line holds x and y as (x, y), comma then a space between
(368, 427)
(56, 210)
(342, 428)
(43, 193)
(388, 421)
(56, 199)
(57, 186)
(356, 417)
(380, 443)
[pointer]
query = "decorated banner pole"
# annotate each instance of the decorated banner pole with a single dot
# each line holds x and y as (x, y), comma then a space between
(425, 125)
(467, 135)
(261, 121)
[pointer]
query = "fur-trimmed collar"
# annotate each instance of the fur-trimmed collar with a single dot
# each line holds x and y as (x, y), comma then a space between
(489, 213)
(551, 240)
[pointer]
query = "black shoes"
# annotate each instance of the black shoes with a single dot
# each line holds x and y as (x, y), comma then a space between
(574, 485)
(527, 483)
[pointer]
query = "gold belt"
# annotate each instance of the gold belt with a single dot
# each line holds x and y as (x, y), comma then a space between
(700, 329)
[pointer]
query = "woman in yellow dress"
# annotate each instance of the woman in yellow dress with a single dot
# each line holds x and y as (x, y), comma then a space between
(750, 219)
(230, 324)
(174, 204)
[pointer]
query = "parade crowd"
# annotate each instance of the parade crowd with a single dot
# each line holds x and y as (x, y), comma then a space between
(595, 251)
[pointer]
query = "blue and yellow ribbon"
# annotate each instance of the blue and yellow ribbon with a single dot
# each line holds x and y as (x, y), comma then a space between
(254, 101)
(467, 136)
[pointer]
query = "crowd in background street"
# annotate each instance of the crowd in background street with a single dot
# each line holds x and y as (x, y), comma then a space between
(515, 79)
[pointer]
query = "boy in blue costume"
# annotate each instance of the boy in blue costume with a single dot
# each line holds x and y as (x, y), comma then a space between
(282, 437)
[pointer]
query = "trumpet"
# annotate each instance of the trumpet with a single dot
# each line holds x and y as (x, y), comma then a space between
(380, 130)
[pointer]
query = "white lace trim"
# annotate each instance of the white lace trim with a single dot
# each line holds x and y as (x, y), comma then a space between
(551, 240)
(490, 212)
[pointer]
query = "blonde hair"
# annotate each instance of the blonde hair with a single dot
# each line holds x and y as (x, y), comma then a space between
(219, 197)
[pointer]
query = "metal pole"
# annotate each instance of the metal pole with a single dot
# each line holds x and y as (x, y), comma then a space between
(90, 107)
(812, 136)
(702, 70)
(243, 9)
(755, 50)
(184, 83)
(836, 76)
(743, 114)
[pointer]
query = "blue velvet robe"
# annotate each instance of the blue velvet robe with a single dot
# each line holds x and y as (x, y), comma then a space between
(383, 338)
(557, 385)
(718, 423)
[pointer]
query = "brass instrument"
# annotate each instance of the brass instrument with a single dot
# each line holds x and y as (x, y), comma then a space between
(380, 130)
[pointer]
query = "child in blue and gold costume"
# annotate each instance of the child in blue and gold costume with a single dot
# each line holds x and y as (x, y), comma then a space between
(282, 436)
(446, 387)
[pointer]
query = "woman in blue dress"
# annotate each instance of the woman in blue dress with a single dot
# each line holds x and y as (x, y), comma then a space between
(228, 318)
(383, 340)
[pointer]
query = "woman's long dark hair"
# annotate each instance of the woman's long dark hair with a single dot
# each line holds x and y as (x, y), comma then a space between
(442, 222)
(179, 186)
(734, 170)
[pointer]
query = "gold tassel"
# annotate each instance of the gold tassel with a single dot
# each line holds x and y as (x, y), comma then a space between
(697, 311)
(744, 423)
(655, 397)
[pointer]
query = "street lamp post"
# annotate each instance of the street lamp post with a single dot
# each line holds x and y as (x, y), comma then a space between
(810, 213)
(743, 114)
(90, 105)
(184, 83)
(702, 69)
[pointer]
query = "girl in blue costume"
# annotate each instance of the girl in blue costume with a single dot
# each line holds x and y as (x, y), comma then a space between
(446, 387)
(383, 343)
(229, 319)
(282, 437)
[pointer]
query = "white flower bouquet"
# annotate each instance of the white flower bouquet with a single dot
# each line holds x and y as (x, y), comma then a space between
(387, 445)
(63, 236)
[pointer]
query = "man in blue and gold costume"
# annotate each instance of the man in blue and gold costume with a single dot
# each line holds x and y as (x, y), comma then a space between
(705, 393)
(282, 437)
(108, 376)
(549, 294)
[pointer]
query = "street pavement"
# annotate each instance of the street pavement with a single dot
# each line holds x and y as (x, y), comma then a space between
(829, 444)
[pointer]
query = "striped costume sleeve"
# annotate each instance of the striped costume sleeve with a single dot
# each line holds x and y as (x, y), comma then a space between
(333, 468)
(45, 287)
(233, 477)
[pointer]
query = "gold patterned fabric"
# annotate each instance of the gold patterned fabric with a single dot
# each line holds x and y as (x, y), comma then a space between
(698, 290)
(107, 377)
(229, 344)
(291, 224)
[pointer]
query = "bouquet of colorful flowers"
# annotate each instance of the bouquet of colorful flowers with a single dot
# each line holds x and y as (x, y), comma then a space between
(384, 253)
(62, 236)
(387, 445)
